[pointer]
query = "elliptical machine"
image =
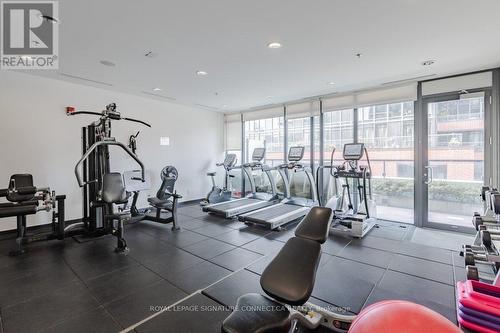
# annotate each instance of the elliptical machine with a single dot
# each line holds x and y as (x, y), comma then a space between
(353, 216)
(218, 194)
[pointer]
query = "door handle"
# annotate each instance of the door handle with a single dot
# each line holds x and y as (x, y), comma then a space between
(430, 175)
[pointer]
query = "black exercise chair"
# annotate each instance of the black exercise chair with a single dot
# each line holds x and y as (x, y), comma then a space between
(166, 198)
(113, 193)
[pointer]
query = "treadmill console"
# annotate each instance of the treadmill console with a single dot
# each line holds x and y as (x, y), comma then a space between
(295, 154)
(258, 154)
(229, 161)
(353, 151)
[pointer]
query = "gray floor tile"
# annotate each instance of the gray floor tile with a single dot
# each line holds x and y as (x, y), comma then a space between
(423, 268)
(437, 296)
(35, 284)
(425, 252)
(264, 246)
(137, 306)
(172, 263)
(102, 322)
(228, 290)
(198, 276)
(236, 259)
(44, 311)
(334, 244)
(120, 283)
(367, 255)
(197, 314)
(209, 248)
(212, 230)
(237, 237)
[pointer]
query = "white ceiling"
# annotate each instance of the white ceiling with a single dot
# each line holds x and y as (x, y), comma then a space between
(228, 38)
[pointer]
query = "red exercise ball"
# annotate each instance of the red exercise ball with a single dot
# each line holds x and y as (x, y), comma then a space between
(401, 317)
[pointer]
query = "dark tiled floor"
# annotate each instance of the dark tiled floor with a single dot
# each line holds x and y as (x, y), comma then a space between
(65, 286)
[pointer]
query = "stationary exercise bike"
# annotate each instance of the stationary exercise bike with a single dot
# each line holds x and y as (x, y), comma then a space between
(218, 194)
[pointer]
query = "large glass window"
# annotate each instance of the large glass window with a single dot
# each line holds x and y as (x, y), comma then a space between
(299, 134)
(268, 133)
(387, 132)
(338, 130)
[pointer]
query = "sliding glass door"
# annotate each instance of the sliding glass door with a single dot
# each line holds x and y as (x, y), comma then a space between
(454, 136)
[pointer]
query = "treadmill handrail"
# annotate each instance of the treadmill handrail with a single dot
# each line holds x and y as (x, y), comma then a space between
(79, 178)
(266, 170)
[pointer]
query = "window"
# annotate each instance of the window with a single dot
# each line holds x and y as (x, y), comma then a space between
(268, 133)
(388, 136)
(338, 130)
(405, 170)
(439, 171)
(299, 134)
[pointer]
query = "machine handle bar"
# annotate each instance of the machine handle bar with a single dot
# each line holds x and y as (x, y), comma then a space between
(78, 175)
(69, 113)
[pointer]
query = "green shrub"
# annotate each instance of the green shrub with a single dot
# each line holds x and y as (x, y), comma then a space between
(462, 192)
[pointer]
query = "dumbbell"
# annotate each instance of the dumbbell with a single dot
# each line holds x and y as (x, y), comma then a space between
(471, 257)
(488, 235)
(472, 273)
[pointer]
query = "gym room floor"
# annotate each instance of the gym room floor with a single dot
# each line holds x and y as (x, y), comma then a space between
(82, 287)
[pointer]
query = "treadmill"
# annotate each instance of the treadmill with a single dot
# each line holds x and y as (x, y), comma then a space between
(255, 200)
(291, 207)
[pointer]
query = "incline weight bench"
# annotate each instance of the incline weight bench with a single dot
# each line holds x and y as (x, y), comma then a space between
(288, 282)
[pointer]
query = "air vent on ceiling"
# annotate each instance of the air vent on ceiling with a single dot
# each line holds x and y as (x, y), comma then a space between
(207, 106)
(86, 79)
(158, 95)
(416, 78)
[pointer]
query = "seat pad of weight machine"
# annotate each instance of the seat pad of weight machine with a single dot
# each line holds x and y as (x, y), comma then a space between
(158, 203)
(17, 210)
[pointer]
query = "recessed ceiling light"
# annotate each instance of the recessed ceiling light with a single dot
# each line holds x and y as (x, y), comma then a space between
(201, 73)
(428, 62)
(331, 83)
(156, 89)
(107, 63)
(274, 45)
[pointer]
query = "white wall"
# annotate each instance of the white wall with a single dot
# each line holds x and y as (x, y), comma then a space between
(37, 137)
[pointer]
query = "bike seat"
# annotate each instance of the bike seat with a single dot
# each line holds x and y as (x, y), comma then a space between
(211, 174)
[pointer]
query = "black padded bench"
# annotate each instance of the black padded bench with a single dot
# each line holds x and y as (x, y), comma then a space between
(288, 280)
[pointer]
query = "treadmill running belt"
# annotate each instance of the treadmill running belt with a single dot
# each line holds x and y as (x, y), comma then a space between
(233, 204)
(271, 213)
